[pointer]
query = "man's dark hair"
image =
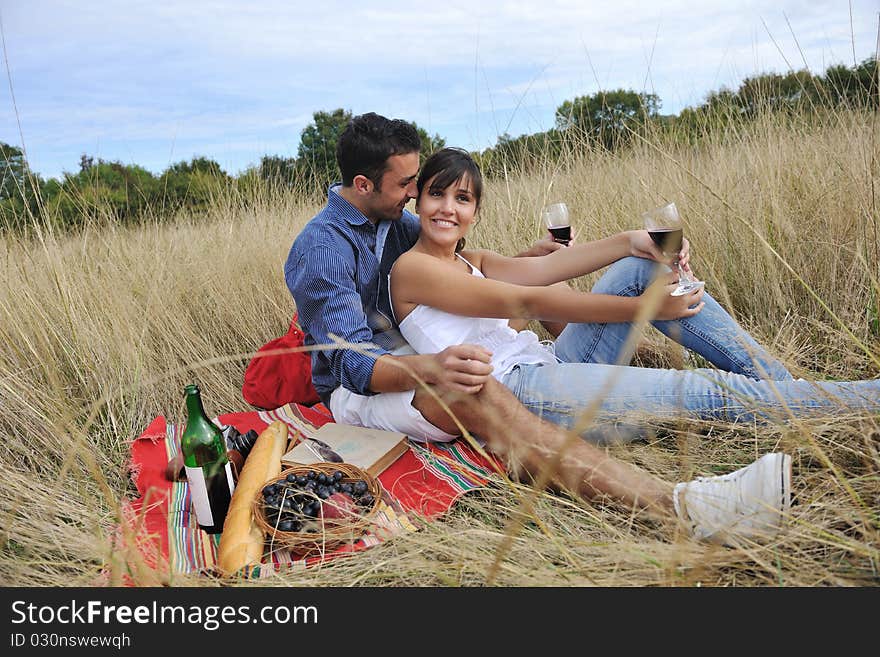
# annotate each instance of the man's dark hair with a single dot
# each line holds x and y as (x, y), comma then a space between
(368, 141)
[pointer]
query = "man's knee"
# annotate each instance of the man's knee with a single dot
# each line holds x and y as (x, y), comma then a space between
(438, 409)
(477, 413)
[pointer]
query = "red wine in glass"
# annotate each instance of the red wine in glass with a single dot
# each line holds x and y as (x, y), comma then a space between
(561, 234)
(555, 219)
(665, 228)
(669, 240)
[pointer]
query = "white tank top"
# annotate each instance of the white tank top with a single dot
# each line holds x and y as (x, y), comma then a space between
(429, 330)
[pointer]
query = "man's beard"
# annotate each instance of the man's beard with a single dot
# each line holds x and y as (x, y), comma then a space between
(393, 215)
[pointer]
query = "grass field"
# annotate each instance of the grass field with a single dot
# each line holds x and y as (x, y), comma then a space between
(101, 331)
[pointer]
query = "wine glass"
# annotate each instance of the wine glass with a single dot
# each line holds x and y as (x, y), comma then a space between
(665, 228)
(555, 219)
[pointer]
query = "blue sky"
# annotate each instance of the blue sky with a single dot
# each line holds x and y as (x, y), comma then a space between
(155, 82)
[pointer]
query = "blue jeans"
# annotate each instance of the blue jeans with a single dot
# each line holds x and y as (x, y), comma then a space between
(749, 384)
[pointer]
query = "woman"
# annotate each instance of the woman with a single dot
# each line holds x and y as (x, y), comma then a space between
(443, 294)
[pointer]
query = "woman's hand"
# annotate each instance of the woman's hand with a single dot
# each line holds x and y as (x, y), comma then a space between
(642, 246)
(544, 246)
(670, 307)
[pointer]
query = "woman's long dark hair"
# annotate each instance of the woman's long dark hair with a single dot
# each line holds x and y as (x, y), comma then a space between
(449, 166)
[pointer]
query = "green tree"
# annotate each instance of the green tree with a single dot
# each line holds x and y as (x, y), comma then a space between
(868, 74)
(191, 184)
(607, 117)
(20, 188)
(855, 87)
(15, 171)
(104, 189)
(198, 164)
(317, 146)
(523, 153)
(796, 90)
(429, 143)
(277, 170)
(86, 162)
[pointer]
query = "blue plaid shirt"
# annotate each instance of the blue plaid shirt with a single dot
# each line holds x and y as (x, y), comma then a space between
(340, 288)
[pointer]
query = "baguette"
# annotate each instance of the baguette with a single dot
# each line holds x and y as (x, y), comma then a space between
(241, 543)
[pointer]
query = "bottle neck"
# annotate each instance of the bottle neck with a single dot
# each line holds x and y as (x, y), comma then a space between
(201, 441)
(194, 406)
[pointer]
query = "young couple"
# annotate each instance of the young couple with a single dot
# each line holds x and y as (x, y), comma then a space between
(364, 267)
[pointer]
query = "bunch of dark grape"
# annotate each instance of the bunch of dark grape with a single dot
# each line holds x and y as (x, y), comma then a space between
(292, 504)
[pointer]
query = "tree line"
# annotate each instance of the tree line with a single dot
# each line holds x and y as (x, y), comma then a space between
(606, 120)
(610, 120)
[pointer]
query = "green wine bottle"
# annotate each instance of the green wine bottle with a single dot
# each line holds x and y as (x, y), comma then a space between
(208, 472)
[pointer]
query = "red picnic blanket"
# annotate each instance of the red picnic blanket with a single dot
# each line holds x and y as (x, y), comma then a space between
(426, 480)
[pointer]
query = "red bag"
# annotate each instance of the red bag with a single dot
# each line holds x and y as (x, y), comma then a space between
(271, 381)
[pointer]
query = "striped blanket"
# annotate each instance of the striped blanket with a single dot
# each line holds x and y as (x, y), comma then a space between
(425, 481)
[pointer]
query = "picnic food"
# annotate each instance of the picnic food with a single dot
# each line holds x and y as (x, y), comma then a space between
(242, 542)
(207, 467)
(289, 504)
(339, 505)
(317, 507)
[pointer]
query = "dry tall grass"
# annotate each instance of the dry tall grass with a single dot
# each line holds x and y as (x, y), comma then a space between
(102, 330)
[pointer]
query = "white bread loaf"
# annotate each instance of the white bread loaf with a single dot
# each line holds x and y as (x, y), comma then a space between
(242, 541)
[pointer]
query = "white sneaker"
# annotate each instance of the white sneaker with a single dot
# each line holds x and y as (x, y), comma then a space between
(749, 503)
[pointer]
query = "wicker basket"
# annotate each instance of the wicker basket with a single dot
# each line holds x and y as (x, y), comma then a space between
(331, 533)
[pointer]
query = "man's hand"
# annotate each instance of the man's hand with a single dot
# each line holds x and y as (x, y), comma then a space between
(642, 246)
(461, 367)
(544, 246)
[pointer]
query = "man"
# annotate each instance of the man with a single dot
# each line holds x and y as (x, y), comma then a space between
(337, 272)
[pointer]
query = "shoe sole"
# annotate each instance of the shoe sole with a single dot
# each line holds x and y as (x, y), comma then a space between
(785, 482)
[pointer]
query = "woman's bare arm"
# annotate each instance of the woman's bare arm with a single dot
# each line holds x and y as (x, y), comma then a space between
(561, 265)
(418, 278)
